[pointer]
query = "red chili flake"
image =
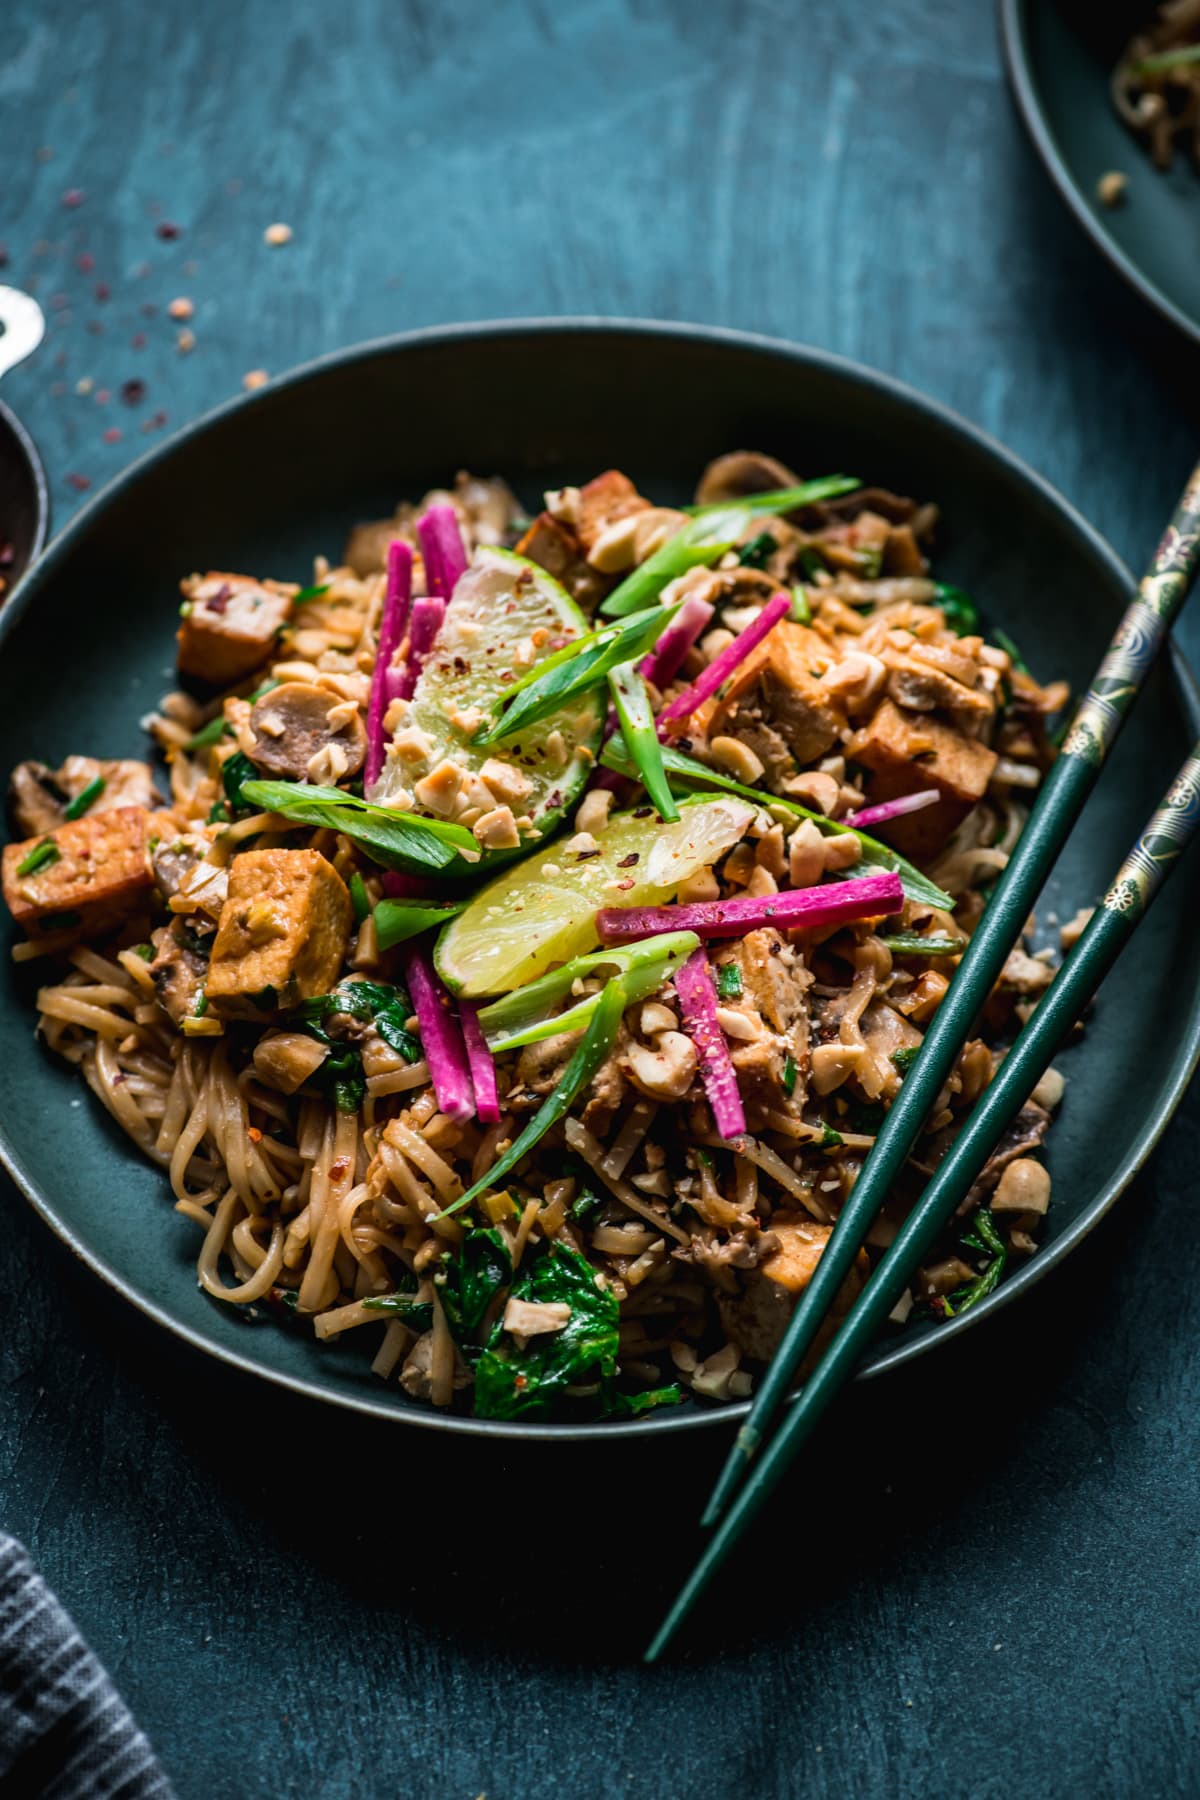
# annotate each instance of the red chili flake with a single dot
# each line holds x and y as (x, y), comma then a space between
(58, 300)
(630, 861)
(103, 396)
(165, 229)
(338, 1167)
(112, 435)
(254, 1134)
(102, 291)
(8, 555)
(159, 420)
(625, 885)
(138, 341)
(85, 262)
(80, 483)
(73, 197)
(133, 392)
(148, 309)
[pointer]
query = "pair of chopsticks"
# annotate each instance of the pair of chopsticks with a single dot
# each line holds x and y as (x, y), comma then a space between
(745, 1484)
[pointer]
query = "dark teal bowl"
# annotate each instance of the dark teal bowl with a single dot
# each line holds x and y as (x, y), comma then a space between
(1060, 54)
(265, 482)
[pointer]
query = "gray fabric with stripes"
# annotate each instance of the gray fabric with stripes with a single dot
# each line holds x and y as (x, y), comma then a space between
(65, 1732)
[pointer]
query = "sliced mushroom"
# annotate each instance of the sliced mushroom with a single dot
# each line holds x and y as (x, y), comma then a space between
(39, 795)
(742, 472)
(297, 722)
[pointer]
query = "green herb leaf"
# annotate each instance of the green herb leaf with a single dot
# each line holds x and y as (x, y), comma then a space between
(788, 1082)
(904, 1058)
(616, 1405)
(580, 665)
(210, 734)
(729, 981)
(310, 593)
(86, 798)
(512, 1383)
(375, 1002)
(416, 1314)
(682, 767)
(472, 1280)
(398, 920)
(636, 717)
(359, 898)
(988, 1238)
(236, 771)
(396, 840)
(758, 552)
(958, 608)
(830, 1139)
(1003, 642)
(40, 857)
(598, 1041)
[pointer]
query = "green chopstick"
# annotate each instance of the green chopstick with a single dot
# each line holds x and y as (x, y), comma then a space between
(1138, 639)
(1142, 874)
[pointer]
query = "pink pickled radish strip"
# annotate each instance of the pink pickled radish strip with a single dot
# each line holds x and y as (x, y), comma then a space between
(441, 550)
(384, 681)
(798, 909)
(441, 1038)
(892, 809)
(483, 1068)
(426, 622)
(698, 1012)
(666, 659)
(722, 667)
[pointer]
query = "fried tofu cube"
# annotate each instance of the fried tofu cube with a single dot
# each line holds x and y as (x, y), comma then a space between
(283, 932)
(554, 545)
(780, 682)
(757, 1317)
(910, 751)
(99, 870)
(602, 502)
(229, 625)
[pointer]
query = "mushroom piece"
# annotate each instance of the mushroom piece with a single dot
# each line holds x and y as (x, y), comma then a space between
(294, 723)
(742, 472)
(39, 796)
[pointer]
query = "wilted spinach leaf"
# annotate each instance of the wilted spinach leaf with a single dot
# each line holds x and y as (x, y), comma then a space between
(511, 1383)
(473, 1278)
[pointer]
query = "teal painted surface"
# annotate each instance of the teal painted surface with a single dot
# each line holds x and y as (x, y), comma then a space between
(1005, 1538)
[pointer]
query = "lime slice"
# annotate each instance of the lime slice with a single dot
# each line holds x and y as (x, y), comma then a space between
(544, 912)
(506, 615)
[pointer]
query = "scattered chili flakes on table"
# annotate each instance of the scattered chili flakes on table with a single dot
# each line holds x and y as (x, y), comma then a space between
(81, 483)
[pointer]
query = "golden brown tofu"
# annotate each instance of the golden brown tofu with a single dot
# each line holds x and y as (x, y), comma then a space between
(779, 684)
(283, 932)
(757, 1317)
(910, 751)
(229, 625)
(602, 502)
(552, 544)
(99, 870)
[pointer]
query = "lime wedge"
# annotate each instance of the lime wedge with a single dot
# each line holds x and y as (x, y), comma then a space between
(506, 615)
(542, 913)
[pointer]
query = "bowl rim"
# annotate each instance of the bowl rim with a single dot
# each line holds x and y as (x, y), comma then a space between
(1014, 40)
(1187, 1053)
(41, 490)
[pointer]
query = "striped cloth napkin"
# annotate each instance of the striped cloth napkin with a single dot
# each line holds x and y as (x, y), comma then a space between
(65, 1732)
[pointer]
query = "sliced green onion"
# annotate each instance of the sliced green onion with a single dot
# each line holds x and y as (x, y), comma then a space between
(911, 943)
(398, 920)
(729, 982)
(310, 593)
(529, 1014)
(599, 1039)
(40, 857)
(210, 734)
(87, 797)
(788, 1082)
(1166, 59)
(801, 613)
(636, 718)
(584, 663)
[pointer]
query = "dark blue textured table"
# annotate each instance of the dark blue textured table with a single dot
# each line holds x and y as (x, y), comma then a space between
(985, 1584)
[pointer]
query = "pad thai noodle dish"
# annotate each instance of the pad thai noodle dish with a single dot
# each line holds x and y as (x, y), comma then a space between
(520, 931)
(1156, 84)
